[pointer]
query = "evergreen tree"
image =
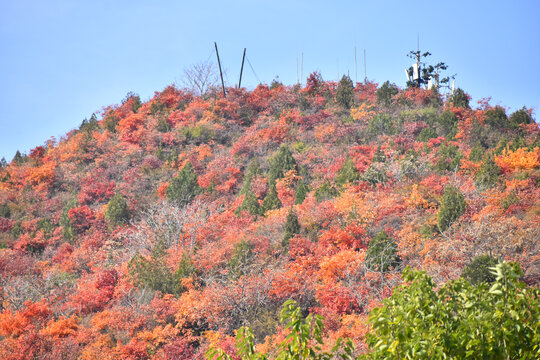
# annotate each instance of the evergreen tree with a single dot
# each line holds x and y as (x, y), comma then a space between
(345, 92)
(184, 187)
(347, 173)
(250, 203)
(479, 270)
(488, 174)
(282, 162)
(68, 231)
(452, 207)
(117, 210)
(325, 192)
(521, 116)
(5, 210)
(292, 227)
(253, 170)
(386, 92)
(460, 99)
(271, 201)
(447, 124)
(301, 192)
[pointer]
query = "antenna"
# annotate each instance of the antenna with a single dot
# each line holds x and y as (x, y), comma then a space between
(242, 69)
(302, 69)
(297, 78)
(365, 72)
(407, 75)
(220, 72)
(355, 67)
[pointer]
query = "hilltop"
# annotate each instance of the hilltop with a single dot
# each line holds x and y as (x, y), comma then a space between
(158, 228)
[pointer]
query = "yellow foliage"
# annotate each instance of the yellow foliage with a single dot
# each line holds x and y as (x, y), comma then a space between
(521, 159)
(363, 112)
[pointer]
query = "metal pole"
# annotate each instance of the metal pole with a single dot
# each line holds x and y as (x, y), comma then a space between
(241, 69)
(220, 72)
(302, 70)
(365, 72)
(355, 68)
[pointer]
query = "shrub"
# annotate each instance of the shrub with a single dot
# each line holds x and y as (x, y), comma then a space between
(426, 134)
(347, 173)
(325, 192)
(479, 270)
(452, 207)
(184, 187)
(488, 174)
(447, 124)
(381, 124)
(382, 253)
(117, 210)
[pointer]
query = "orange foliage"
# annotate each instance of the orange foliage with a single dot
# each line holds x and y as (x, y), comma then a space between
(521, 159)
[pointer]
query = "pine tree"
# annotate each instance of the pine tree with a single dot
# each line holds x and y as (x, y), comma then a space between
(271, 201)
(452, 207)
(250, 203)
(68, 231)
(345, 92)
(347, 173)
(184, 187)
(117, 210)
(479, 270)
(292, 227)
(488, 174)
(282, 162)
(252, 171)
(301, 192)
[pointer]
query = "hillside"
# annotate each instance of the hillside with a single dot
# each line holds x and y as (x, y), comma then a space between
(158, 228)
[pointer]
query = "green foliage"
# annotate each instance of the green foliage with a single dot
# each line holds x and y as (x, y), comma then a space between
(460, 99)
(488, 174)
(304, 340)
(447, 124)
(325, 192)
(449, 158)
(452, 207)
(271, 201)
(497, 118)
(68, 231)
(253, 170)
(292, 227)
(282, 162)
(375, 174)
(163, 125)
(89, 126)
(385, 93)
(5, 210)
(200, 134)
(381, 124)
(153, 272)
(347, 173)
(426, 134)
(250, 203)
(459, 321)
(345, 92)
(110, 121)
(382, 253)
(301, 192)
(379, 156)
(183, 188)
(521, 116)
(19, 158)
(509, 200)
(479, 270)
(117, 210)
(477, 153)
(240, 259)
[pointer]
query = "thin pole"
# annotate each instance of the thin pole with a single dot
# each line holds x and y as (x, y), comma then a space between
(355, 67)
(297, 78)
(241, 69)
(220, 72)
(365, 72)
(302, 70)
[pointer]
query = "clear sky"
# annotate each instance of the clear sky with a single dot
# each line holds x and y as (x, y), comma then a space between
(62, 60)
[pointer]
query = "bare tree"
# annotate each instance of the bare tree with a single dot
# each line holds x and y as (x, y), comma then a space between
(200, 77)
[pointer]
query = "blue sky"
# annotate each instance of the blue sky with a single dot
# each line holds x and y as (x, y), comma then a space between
(61, 60)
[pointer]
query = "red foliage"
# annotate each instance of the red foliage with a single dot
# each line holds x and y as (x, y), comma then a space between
(81, 218)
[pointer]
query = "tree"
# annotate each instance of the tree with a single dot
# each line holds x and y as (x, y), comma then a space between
(347, 173)
(386, 92)
(425, 72)
(479, 270)
(250, 203)
(382, 253)
(183, 188)
(68, 231)
(304, 341)
(460, 99)
(452, 207)
(345, 92)
(292, 227)
(458, 321)
(117, 210)
(301, 192)
(325, 192)
(271, 201)
(200, 77)
(282, 162)
(521, 116)
(488, 174)
(252, 171)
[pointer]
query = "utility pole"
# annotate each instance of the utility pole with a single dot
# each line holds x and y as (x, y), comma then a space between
(355, 68)
(302, 70)
(297, 78)
(220, 72)
(242, 69)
